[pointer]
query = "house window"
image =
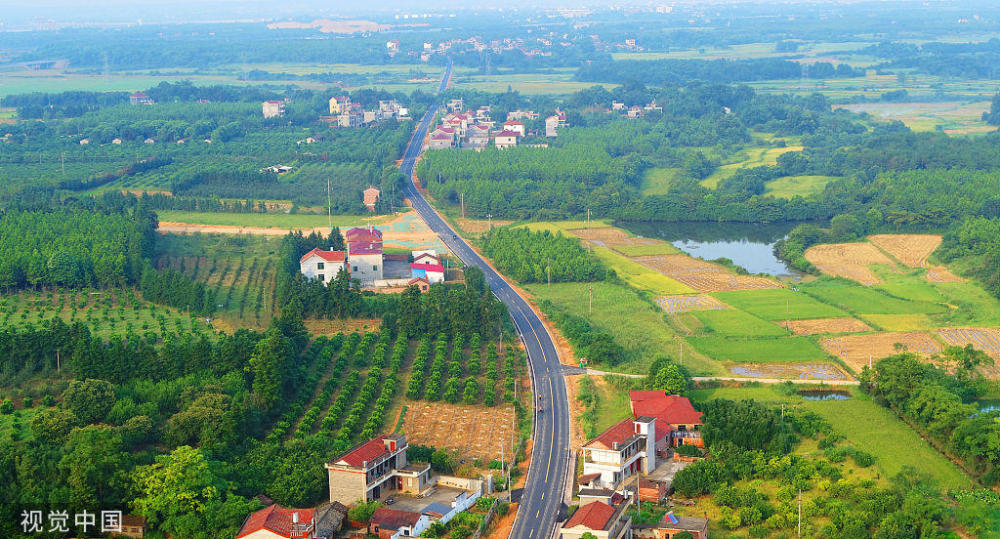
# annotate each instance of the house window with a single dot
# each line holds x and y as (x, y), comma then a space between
(374, 268)
(322, 277)
(319, 265)
(355, 268)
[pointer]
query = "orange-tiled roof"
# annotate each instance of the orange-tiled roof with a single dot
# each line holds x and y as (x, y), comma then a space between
(278, 519)
(672, 409)
(366, 452)
(329, 256)
(594, 515)
(619, 432)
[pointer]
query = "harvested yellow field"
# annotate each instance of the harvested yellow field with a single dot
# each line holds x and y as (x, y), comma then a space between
(941, 274)
(825, 325)
(858, 350)
(910, 249)
(848, 260)
(701, 275)
(901, 322)
(474, 431)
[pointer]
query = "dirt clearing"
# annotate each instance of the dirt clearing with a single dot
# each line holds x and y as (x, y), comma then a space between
(848, 260)
(825, 325)
(474, 431)
(856, 350)
(910, 249)
(683, 304)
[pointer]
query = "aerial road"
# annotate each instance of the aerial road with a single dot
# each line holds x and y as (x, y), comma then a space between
(547, 474)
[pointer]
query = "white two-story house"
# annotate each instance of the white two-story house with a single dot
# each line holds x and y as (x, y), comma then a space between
(323, 265)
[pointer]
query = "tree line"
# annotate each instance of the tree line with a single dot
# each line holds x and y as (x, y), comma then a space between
(538, 257)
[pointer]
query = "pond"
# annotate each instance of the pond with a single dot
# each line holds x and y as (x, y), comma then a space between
(988, 405)
(824, 395)
(750, 246)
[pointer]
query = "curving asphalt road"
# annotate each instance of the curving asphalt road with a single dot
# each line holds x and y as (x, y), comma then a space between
(547, 474)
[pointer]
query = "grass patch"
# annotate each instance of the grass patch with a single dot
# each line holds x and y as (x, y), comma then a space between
(644, 337)
(731, 322)
(640, 276)
(777, 350)
(792, 186)
(867, 425)
(266, 220)
(858, 299)
(657, 181)
(563, 226)
(973, 305)
(779, 303)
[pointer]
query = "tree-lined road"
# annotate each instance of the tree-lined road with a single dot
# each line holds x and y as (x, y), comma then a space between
(547, 475)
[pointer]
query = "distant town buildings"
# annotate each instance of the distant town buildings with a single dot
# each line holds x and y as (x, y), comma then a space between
(273, 109)
(346, 113)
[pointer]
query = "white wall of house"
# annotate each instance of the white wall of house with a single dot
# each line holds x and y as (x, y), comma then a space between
(366, 268)
(315, 267)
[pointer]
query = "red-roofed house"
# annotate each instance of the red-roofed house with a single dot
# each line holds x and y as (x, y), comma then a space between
(441, 141)
(368, 234)
(365, 260)
(623, 450)
(515, 126)
(393, 523)
(376, 467)
(371, 197)
(323, 265)
(420, 282)
(600, 519)
(277, 521)
(434, 273)
(140, 98)
(673, 410)
(505, 139)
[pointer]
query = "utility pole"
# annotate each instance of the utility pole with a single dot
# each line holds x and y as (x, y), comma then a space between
(490, 217)
(590, 308)
(588, 217)
(548, 270)
(329, 206)
(800, 512)
(463, 205)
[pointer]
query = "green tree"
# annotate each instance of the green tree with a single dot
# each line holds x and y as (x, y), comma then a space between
(268, 366)
(93, 465)
(90, 400)
(52, 425)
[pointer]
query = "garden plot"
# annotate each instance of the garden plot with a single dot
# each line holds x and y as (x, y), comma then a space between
(701, 275)
(910, 249)
(985, 339)
(848, 260)
(856, 350)
(683, 304)
(474, 431)
(826, 325)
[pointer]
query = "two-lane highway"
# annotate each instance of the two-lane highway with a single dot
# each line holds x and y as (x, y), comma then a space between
(547, 474)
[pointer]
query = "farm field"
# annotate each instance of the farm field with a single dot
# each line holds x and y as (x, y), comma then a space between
(857, 350)
(780, 349)
(792, 186)
(848, 260)
(105, 313)
(952, 117)
(901, 322)
(286, 221)
(910, 249)
(735, 323)
(779, 304)
(641, 276)
(621, 241)
(657, 181)
(749, 158)
(702, 276)
(476, 432)
(864, 300)
(681, 304)
(919, 115)
(826, 325)
(867, 425)
(805, 371)
(644, 337)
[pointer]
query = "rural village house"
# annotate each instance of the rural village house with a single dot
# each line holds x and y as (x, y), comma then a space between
(600, 519)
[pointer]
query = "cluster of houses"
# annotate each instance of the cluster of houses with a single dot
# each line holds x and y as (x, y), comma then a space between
(365, 261)
(635, 111)
(474, 129)
(411, 495)
(540, 46)
(634, 454)
(346, 113)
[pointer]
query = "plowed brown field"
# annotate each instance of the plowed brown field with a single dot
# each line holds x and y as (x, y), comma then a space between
(848, 260)
(826, 325)
(701, 275)
(683, 304)
(474, 431)
(856, 350)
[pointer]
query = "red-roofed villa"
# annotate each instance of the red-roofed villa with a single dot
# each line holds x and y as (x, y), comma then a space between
(600, 519)
(276, 521)
(370, 470)
(323, 265)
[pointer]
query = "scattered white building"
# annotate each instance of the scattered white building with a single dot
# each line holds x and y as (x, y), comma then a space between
(273, 109)
(323, 265)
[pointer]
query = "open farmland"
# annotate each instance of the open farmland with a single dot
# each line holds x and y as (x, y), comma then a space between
(848, 260)
(779, 304)
(744, 350)
(622, 242)
(808, 371)
(474, 431)
(792, 186)
(826, 325)
(856, 350)
(703, 276)
(941, 274)
(910, 249)
(641, 276)
(732, 322)
(984, 339)
(865, 300)
(681, 304)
